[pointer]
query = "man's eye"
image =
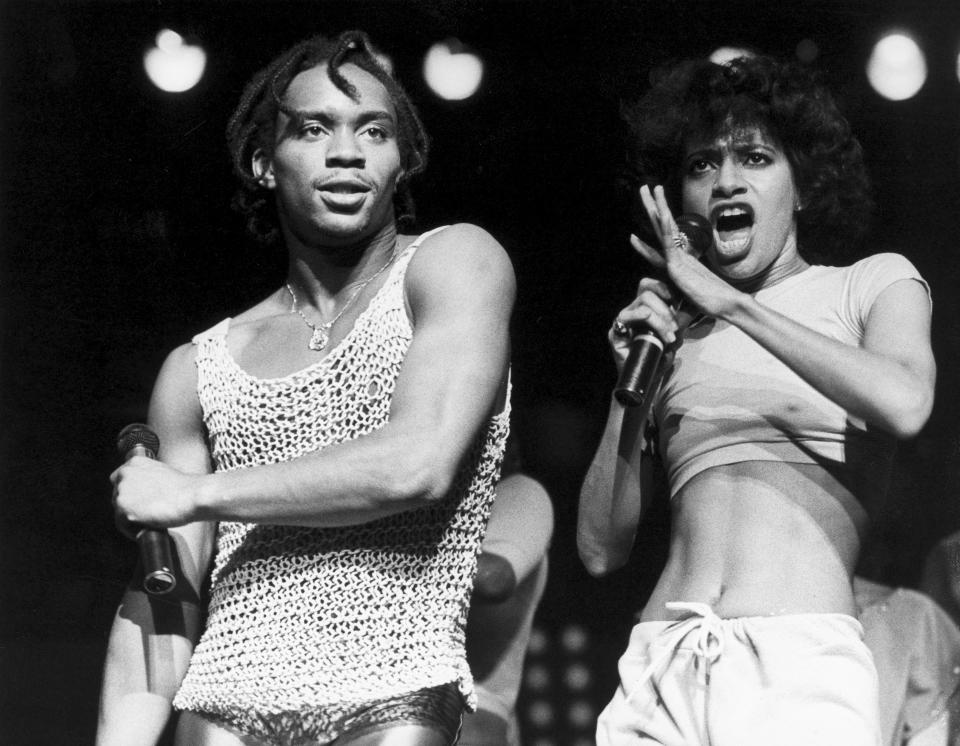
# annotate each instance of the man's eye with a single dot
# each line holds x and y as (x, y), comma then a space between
(311, 130)
(376, 133)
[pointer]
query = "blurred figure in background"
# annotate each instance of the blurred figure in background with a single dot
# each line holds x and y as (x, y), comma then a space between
(916, 649)
(941, 575)
(511, 577)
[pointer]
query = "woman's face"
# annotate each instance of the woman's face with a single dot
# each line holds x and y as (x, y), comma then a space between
(743, 183)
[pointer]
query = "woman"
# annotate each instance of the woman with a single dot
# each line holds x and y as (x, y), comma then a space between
(775, 417)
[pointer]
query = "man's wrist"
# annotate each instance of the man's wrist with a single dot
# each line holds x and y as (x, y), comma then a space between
(204, 498)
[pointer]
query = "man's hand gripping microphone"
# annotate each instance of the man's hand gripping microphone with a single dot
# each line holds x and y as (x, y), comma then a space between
(155, 555)
(642, 366)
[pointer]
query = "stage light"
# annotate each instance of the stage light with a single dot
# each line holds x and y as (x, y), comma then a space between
(539, 641)
(536, 677)
(172, 64)
(574, 639)
(452, 72)
(723, 55)
(577, 677)
(541, 714)
(581, 714)
(897, 68)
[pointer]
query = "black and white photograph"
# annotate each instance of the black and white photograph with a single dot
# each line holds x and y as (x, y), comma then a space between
(480, 372)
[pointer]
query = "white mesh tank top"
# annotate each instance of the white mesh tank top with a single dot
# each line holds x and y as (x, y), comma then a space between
(308, 619)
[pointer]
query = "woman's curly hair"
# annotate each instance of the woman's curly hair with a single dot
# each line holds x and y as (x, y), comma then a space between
(699, 99)
(252, 126)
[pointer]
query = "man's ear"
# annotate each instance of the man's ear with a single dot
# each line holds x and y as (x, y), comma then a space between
(262, 167)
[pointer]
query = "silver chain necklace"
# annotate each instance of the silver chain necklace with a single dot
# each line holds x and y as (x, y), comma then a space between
(321, 332)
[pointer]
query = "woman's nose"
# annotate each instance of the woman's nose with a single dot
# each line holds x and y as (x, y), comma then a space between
(729, 179)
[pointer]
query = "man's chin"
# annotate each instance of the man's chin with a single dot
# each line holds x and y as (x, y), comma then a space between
(343, 230)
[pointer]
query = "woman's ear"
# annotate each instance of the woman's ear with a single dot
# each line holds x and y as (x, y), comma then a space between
(262, 167)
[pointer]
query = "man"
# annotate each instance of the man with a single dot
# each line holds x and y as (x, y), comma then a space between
(327, 457)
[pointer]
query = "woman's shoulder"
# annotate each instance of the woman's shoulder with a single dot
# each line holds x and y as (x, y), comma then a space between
(876, 272)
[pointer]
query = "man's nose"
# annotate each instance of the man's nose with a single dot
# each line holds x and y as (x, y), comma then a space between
(344, 149)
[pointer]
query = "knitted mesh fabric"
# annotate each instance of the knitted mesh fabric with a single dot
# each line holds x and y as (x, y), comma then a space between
(317, 622)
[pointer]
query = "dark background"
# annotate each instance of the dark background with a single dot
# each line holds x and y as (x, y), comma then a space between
(118, 244)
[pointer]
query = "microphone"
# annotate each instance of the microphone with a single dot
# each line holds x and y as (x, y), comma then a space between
(155, 554)
(642, 366)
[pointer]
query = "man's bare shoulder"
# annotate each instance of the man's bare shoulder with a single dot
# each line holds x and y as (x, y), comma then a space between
(462, 250)
(181, 359)
(465, 237)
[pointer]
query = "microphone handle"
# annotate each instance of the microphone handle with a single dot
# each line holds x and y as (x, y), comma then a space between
(640, 370)
(154, 544)
(157, 561)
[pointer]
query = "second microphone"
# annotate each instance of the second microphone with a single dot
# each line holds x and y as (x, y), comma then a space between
(642, 366)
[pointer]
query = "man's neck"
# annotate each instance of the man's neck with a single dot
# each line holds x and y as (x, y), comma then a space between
(328, 268)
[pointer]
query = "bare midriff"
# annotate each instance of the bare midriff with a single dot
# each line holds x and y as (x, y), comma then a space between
(761, 538)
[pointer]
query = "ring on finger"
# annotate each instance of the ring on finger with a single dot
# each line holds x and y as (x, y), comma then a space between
(620, 329)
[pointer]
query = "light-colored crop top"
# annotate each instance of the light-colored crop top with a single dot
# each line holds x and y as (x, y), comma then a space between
(726, 399)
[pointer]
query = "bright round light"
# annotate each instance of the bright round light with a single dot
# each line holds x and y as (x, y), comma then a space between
(724, 55)
(897, 68)
(169, 40)
(174, 65)
(453, 75)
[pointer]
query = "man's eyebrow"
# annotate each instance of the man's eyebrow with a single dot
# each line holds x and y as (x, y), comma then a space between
(320, 115)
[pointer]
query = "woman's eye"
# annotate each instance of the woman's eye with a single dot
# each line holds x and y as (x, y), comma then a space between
(757, 158)
(699, 166)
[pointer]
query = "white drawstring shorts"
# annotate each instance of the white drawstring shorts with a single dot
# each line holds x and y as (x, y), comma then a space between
(792, 680)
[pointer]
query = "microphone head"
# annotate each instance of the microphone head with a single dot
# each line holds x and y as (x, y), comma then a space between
(137, 434)
(698, 230)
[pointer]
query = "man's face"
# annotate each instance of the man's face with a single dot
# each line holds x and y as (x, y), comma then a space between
(335, 167)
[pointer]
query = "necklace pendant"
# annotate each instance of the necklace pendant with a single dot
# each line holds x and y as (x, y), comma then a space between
(319, 339)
